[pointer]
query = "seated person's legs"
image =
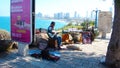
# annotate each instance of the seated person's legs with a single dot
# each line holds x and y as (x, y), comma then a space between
(59, 41)
(56, 39)
(52, 43)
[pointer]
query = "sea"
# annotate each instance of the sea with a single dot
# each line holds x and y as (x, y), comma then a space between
(39, 23)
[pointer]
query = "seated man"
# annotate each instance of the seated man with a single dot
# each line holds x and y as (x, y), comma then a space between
(53, 34)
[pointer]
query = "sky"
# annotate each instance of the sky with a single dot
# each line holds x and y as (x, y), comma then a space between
(49, 7)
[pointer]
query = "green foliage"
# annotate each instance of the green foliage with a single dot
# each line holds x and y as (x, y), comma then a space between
(91, 23)
(82, 26)
(96, 33)
(70, 24)
(87, 24)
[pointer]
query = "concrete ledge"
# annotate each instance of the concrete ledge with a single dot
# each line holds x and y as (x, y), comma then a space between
(23, 49)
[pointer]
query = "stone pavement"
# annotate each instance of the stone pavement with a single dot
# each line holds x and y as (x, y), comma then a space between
(89, 57)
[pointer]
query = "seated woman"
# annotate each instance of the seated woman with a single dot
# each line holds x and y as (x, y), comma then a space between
(53, 34)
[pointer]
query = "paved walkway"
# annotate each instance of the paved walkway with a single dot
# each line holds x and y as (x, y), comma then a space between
(89, 57)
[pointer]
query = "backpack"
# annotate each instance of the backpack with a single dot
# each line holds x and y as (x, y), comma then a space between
(46, 55)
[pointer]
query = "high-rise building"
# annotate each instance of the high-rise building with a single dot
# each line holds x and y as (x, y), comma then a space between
(58, 15)
(75, 14)
(39, 14)
(67, 15)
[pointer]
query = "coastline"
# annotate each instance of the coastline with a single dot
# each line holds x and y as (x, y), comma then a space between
(39, 23)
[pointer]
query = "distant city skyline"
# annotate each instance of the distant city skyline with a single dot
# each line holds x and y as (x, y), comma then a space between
(49, 7)
(67, 14)
(82, 7)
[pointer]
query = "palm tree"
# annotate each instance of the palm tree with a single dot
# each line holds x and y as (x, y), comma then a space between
(113, 51)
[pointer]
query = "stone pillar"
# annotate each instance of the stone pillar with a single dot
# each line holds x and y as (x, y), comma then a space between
(104, 34)
(23, 49)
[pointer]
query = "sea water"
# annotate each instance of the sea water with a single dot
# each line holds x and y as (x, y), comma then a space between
(5, 23)
(39, 23)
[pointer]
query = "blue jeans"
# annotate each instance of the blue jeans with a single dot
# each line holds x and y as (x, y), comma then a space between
(59, 40)
(56, 37)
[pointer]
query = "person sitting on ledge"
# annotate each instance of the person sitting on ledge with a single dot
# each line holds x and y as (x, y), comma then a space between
(54, 34)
